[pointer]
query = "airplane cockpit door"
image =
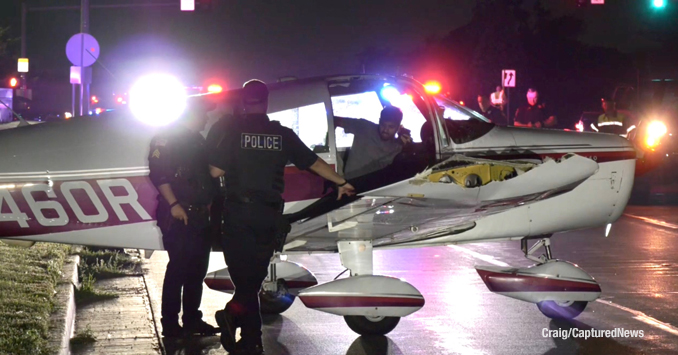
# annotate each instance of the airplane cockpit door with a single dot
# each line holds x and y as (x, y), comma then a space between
(303, 106)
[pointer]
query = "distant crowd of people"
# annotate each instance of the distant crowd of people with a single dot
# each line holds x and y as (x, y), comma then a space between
(533, 114)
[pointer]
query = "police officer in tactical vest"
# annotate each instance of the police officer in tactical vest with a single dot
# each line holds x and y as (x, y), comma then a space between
(251, 155)
(179, 170)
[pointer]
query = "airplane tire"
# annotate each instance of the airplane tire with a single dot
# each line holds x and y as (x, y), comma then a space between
(562, 310)
(370, 325)
(275, 302)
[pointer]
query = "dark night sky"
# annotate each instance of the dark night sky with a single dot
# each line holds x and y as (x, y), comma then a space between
(267, 39)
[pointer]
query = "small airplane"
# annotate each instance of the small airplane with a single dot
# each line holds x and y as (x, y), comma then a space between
(462, 180)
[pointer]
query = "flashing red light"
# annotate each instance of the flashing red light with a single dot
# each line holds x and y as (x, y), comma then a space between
(99, 110)
(432, 87)
(215, 89)
(95, 99)
(13, 82)
(462, 103)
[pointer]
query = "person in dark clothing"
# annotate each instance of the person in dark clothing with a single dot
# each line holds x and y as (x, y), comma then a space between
(534, 114)
(251, 154)
(492, 113)
(179, 170)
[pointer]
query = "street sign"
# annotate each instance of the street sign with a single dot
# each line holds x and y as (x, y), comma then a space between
(598, 2)
(82, 47)
(76, 75)
(509, 78)
(187, 5)
(22, 65)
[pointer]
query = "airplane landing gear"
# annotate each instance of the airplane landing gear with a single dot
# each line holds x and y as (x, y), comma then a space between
(562, 310)
(560, 289)
(275, 297)
(367, 325)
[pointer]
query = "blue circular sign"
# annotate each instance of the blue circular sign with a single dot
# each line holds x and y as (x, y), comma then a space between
(82, 50)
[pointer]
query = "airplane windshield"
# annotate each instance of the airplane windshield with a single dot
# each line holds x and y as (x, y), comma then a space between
(463, 124)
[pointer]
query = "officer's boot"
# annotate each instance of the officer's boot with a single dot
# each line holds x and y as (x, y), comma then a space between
(171, 329)
(200, 327)
(228, 326)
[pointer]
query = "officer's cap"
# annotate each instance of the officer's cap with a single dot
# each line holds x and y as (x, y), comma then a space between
(254, 92)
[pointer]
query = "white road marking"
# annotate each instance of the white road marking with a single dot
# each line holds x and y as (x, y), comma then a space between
(640, 316)
(643, 317)
(490, 259)
(653, 221)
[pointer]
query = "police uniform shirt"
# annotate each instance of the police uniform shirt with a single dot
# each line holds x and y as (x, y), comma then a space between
(253, 152)
(178, 157)
(496, 116)
(531, 114)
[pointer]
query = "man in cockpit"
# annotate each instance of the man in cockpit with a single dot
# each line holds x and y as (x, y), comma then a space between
(374, 145)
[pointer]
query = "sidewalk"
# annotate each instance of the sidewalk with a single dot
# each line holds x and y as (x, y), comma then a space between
(663, 216)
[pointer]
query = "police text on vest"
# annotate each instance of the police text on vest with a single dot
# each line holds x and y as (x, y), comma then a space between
(260, 141)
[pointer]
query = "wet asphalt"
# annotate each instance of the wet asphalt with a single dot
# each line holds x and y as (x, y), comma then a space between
(636, 265)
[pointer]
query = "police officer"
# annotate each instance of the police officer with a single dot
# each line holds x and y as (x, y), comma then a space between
(179, 170)
(251, 155)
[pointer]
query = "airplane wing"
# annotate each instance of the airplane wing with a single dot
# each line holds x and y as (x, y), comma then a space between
(431, 204)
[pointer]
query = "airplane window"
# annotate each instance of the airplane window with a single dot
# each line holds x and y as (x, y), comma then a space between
(463, 124)
(367, 105)
(308, 122)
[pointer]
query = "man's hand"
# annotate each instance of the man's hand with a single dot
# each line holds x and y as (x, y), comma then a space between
(404, 135)
(179, 213)
(552, 121)
(538, 125)
(347, 190)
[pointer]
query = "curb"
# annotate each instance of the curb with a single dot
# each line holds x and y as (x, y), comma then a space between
(62, 321)
(655, 222)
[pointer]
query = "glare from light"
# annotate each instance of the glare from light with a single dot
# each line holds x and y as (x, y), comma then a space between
(432, 87)
(157, 99)
(462, 103)
(390, 94)
(120, 100)
(68, 115)
(607, 229)
(98, 110)
(214, 89)
(13, 82)
(579, 126)
(655, 131)
(658, 3)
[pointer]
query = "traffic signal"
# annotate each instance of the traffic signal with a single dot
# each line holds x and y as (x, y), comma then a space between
(13, 82)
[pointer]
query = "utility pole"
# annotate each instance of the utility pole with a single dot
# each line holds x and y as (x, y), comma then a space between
(24, 10)
(86, 72)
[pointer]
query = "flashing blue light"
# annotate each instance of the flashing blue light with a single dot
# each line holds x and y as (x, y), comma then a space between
(389, 93)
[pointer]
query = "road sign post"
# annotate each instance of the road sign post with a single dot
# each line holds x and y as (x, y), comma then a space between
(508, 80)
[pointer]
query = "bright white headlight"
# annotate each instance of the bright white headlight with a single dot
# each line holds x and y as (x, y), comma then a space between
(157, 99)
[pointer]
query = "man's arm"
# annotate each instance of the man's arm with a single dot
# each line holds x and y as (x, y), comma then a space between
(161, 174)
(321, 168)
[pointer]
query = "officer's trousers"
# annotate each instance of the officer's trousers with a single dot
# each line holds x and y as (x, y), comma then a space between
(189, 251)
(248, 241)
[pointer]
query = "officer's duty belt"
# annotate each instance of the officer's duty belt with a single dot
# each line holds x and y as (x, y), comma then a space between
(196, 208)
(247, 199)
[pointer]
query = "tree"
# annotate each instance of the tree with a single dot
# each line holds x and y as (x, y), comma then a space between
(8, 52)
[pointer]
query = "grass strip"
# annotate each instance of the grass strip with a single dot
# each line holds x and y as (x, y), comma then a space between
(28, 280)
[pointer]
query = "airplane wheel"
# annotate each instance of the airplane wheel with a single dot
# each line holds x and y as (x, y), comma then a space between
(562, 310)
(276, 302)
(371, 325)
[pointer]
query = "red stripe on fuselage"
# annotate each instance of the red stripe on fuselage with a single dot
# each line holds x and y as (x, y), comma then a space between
(360, 301)
(506, 282)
